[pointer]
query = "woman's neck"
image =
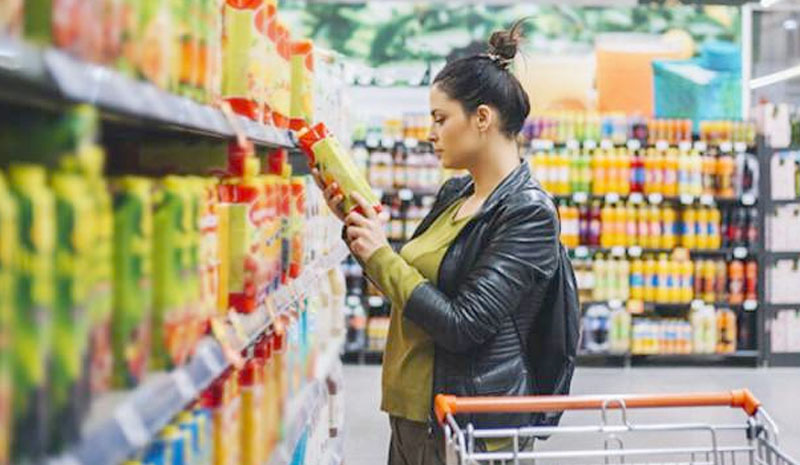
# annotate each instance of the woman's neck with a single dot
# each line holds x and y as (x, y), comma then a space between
(498, 162)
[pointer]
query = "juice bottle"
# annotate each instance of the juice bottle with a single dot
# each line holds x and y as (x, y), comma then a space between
(302, 83)
(751, 280)
(170, 230)
(714, 236)
(638, 175)
(643, 225)
(563, 184)
(668, 218)
(709, 278)
(574, 172)
(600, 173)
(612, 279)
(696, 173)
(252, 430)
(650, 279)
(662, 285)
(721, 281)
(607, 219)
(709, 175)
(297, 225)
(69, 383)
(702, 228)
(674, 282)
(689, 238)
(637, 280)
(699, 279)
(243, 50)
(684, 173)
(600, 269)
(726, 168)
(659, 172)
(631, 225)
(595, 224)
(613, 164)
(651, 172)
(585, 172)
(133, 230)
(655, 231)
(32, 322)
(687, 281)
(623, 280)
(245, 215)
(671, 165)
(8, 269)
(583, 225)
(620, 225)
(620, 337)
(726, 331)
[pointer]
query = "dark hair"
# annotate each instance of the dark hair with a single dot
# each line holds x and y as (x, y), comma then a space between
(486, 79)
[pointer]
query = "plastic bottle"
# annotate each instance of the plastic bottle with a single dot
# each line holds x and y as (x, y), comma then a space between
(670, 173)
(631, 225)
(623, 279)
(709, 281)
(689, 238)
(713, 231)
(595, 225)
(702, 228)
(726, 331)
(599, 173)
(637, 280)
(624, 171)
(709, 175)
(600, 269)
(650, 279)
(583, 224)
(725, 171)
(620, 337)
(662, 290)
(684, 173)
(668, 218)
(620, 225)
(654, 231)
(674, 282)
(687, 281)
(607, 219)
(643, 225)
(696, 173)
(638, 173)
(721, 281)
(751, 280)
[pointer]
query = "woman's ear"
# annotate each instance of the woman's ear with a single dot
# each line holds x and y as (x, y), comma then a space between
(484, 117)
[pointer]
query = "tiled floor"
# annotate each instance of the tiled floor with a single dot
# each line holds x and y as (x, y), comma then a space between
(367, 434)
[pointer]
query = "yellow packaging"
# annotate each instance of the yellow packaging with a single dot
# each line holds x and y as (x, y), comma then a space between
(243, 58)
(252, 425)
(302, 105)
(223, 216)
(8, 251)
(209, 248)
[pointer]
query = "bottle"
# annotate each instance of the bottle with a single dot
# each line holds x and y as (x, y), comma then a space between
(620, 225)
(751, 280)
(599, 173)
(650, 279)
(637, 280)
(687, 281)
(726, 331)
(688, 228)
(696, 173)
(662, 291)
(709, 281)
(654, 236)
(750, 238)
(702, 228)
(684, 174)
(574, 172)
(736, 283)
(620, 337)
(670, 181)
(659, 170)
(595, 225)
(624, 171)
(721, 281)
(637, 173)
(632, 225)
(668, 216)
(709, 175)
(583, 225)
(563, 164)
(624, 273)
(585, 172)
(674, 282)
(607, 220)
(725, 171)
(651, 175)
(714, 235)
(573, 222)
(699, 280)
(600, 269)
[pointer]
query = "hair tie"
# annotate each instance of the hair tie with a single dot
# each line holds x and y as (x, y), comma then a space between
(500, 61)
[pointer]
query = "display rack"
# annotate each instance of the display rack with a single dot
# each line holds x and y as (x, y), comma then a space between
(769, 309)
(122, 423)
(48, 78)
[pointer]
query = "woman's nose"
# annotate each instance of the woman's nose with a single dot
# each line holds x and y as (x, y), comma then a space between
(432, 137)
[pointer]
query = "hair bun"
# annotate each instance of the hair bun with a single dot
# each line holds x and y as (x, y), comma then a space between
(503, 44)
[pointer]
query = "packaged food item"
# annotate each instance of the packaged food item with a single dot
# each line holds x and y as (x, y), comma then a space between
(326, 154)
(171, 229)
(8, 268)
(272, 232)
(133, 291)
(209, 249)
(726, 331)
(252, 394)
(223, 400)
(11, 17)
(32, 327)
(302, 104)
(205, 434)
(736, 284)
(243, 51)
(268, 28)
(284, 72)
(155, 42)
(189, 426)
(130, 27)
(69, 383)
(297, 225)
(245, 216)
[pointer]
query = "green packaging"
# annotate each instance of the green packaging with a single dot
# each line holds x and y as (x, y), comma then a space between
(8, 268)
(132, 255)
(32, 322)
(74, 239)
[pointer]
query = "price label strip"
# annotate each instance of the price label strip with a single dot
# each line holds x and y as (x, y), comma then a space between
(132, 425)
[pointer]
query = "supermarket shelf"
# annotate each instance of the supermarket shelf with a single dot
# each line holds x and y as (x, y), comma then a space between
(122, 423)
(740, 358)
(654, 307)
(50, 78)
(634, 252)
(602, 360)
(782, 202)
(777, 307)
(543, 144)
(658, 199)
(406, 193)
(784, 359)
(782, 255)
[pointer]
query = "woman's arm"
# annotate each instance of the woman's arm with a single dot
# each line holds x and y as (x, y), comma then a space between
(523, 249)
(393, 275)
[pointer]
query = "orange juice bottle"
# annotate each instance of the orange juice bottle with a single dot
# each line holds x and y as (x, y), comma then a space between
(687, 281)
(725, 173)
(624, 171)
(599, 173)
(650, 279)
(620, 225)
(674, 282)
(654, 231)
(671, 173)
(650, 168)
(703, 240)
(660, 166)
(642, 226)
(637, 280)
(688, 228)
(668, 218)
(662, 271)
(709, 175)
(714, 236)
(631, 225)
(608, 228)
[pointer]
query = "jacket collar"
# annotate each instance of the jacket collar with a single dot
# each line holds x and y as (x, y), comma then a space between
(513, 183)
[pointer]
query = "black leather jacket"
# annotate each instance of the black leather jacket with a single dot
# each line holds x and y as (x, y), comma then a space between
(492, 282)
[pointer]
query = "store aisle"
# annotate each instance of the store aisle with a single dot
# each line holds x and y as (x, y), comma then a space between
(367, 434)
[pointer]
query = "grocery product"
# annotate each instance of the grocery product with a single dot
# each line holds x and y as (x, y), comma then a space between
(302, 104)
(32, 326)
(154, 44)
(69, 383)
(596, 327)
(252, 430)
(297, 225)
(8, 269)
(224, 402)
(704, 330)
(268, 29)
(243, 51)
(726, 331)
(325, 153)
(133, 230)
(244, 210)
(283, 86)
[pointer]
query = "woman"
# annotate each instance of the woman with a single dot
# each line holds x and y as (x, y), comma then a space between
(467, 289)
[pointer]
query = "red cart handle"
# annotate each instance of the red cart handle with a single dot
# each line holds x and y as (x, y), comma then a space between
(452, 405)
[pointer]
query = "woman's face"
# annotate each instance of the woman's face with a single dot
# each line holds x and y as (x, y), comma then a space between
(454, 134)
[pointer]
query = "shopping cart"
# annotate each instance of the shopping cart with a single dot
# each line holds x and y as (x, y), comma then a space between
(755, 441)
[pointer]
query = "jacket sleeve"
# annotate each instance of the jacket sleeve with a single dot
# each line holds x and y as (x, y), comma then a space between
(522, 249)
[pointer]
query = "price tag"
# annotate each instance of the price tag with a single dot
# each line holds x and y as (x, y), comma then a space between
(581, 252)
(662, 145)
(687, 199)
(387, 142)
(573, 145)
(184, 384)
(372, 142)
(707, 200)
(636, 198)
(618, 251)
(740, 253)
(411, 143)
(606, 144)
(635, 252)
(615, 304)
(375, 301)
(634, 144)
(700, 146)
(748, 199)
(635, 307)
(655, 199)
(590, 144)
(132, 425)
(580, 197)
(726, 147)
(612, 197)
(406, 194)
(685, 146)
(697, 304)
(750, 305)
(740, 147)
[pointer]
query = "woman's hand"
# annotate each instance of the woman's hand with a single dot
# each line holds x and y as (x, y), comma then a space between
(365, 233)
(333, 195)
